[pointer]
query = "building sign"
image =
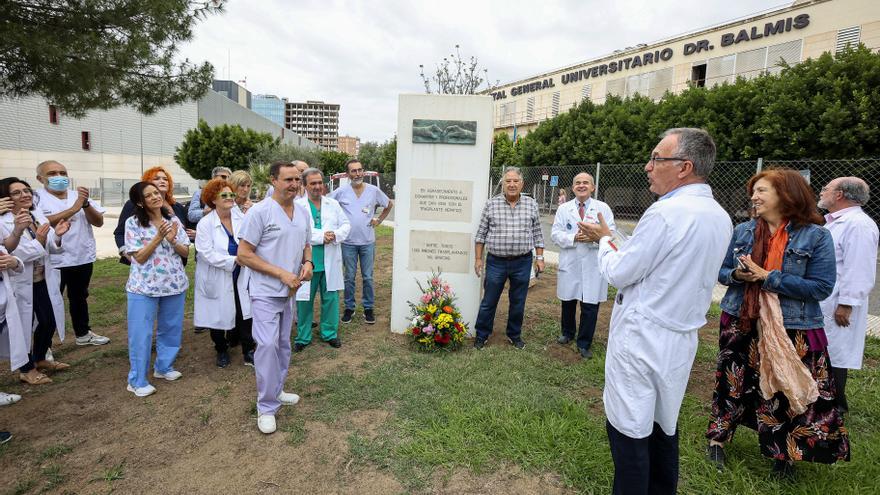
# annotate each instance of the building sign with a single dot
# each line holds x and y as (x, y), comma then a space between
(663, 55)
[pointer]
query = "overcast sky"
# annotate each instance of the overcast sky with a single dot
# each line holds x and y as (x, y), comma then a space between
(362, 55)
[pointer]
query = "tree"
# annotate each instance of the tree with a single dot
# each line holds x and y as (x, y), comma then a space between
(204, 148)
(379, 157)
(389, 156)
(504, 152)
(332, 162)
(827, 107)
(83, 55)
(455, 76)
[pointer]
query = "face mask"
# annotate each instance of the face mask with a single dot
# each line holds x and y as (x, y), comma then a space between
(58, 183)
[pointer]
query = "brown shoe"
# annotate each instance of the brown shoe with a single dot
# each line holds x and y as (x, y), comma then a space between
(34, 377)
(52, 366)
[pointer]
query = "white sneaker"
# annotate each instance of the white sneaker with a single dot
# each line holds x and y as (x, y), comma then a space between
(92, 338)
(8, 399)
(288, 399)
(142, 391)
(266, 423)
(170, 376)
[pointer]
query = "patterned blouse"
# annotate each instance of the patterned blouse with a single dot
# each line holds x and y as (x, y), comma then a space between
(163, 274)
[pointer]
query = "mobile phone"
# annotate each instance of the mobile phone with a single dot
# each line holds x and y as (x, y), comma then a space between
(741, 265)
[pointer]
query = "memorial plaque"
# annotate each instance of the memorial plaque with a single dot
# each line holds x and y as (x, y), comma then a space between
(444, 131)
(431, 249)
(441, 201)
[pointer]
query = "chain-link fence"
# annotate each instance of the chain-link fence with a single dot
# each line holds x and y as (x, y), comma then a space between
(625, 187)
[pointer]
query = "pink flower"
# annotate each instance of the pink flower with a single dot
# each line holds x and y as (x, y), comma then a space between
(426, 298)
(428, 330)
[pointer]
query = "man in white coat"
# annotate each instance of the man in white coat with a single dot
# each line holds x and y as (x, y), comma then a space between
(579, 279)
(330, 227)
(855, 247)
(664, 276)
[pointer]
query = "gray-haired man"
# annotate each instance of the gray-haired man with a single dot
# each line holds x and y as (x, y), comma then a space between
(197, 209)
(510, 228)
(855, 238)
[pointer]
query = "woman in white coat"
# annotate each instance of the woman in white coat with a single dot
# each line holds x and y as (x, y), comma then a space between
(12, 345)
(37, 287)
(330, 227)
(221, 300)
(579, 279)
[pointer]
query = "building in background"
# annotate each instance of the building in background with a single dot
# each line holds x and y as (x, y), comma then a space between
(748, 47)
(234, 91)
(270, 106)
(107, 150)
(316, 121)
(350, 145)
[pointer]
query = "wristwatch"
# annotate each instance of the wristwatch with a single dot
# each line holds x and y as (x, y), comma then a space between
(539, 257)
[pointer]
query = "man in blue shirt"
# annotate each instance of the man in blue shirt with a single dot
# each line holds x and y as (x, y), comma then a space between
(359, 201)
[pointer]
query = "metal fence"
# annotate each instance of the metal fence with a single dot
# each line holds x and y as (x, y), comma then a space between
(625, 188)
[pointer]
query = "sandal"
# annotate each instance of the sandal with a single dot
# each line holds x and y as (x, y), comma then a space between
(34, 379)
(52, 365)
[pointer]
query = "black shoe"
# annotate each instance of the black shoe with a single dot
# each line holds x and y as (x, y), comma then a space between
(297, 347)
(715, 454)
(479, 343)
(335, 343)
(199, 330)
(346, 315)
(563, 340)
(314, 324)
(518, 343)
(585, 353)
(369, 317)
(222, 359)
(249, 359)
(782, 470)
(5, 436)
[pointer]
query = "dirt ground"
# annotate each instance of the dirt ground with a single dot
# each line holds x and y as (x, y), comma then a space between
(86, 434)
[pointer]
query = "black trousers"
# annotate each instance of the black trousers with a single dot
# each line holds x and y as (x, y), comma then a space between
(587, 326)
(45, 326)
(644, 465)
(223, 339)
(840, 375)
(75, 280)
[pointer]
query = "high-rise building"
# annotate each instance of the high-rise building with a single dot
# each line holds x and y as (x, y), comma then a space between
(351, 145)
(270, 106)
(316, 121)
(233, 91)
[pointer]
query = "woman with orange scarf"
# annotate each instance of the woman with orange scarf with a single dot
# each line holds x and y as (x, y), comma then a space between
(773, 368)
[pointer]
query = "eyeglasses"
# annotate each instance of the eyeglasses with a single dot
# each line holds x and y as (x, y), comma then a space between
(26, 190)
(226, 195)
(654, 159)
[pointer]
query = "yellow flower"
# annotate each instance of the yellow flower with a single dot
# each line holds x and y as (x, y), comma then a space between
(431, 309)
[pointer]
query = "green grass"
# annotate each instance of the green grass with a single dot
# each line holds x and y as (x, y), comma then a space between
(483, 411)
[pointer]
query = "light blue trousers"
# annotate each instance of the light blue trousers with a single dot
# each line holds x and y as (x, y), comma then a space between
(143, 312)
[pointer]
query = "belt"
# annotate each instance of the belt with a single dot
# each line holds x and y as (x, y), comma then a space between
(508, 258)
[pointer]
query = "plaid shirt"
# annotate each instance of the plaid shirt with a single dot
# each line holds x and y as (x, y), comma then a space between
(510, 230)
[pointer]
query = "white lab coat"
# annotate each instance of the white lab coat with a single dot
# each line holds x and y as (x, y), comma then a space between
(333, 218)
(664, 274)
(855, 238)
(579, 277)
(214, 299)
(29, 251)
(13, 345)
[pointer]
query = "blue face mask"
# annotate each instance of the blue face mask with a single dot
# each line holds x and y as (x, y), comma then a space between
(58, 183)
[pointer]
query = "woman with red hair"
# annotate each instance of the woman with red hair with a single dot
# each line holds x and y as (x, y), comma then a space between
(161, 178)
(773, 368)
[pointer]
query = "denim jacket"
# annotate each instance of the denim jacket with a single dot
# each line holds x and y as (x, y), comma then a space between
(807, 276)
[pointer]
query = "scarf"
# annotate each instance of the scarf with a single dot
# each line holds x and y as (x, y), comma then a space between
(780, 368)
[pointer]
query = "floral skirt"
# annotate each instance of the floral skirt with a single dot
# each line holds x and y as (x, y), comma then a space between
(817, 435)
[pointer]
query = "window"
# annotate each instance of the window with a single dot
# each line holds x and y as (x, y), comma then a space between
(554, 104)
(86, 141)
(53, 114)
(530, 109)
(698, 75)
(789, 52)
(848, 36)
(586, 92)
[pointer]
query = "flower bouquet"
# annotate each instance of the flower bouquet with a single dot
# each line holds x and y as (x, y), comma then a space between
(436, 322)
